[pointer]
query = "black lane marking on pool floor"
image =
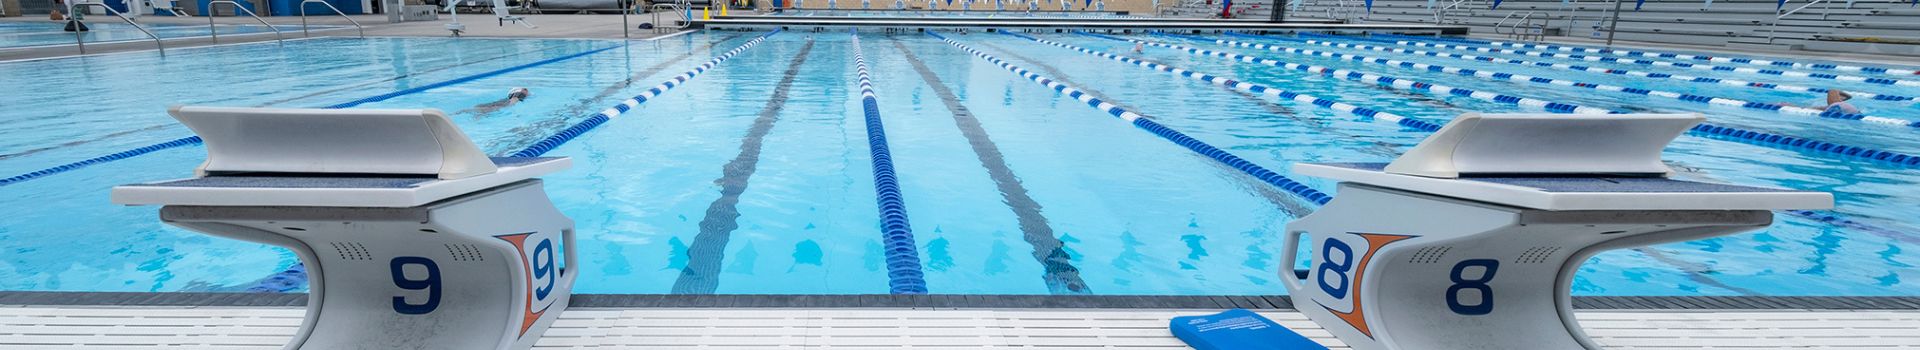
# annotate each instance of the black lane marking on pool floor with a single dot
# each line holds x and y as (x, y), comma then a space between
(1291, 205)
(1266, 302)
(1061, 276)
(702, 274)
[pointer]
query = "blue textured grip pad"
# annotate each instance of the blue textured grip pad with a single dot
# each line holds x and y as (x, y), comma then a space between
(1238, 329)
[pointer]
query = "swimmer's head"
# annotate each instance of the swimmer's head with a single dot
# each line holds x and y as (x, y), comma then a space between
(518, 92)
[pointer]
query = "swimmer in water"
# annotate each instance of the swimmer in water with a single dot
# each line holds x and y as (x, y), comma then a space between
(1836, 102)
(1139, 47)
(514, 96)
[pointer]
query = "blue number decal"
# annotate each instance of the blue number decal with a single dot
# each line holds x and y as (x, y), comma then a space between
(431, 284)
(1328, 267)
(542, 268)
(1485, 306)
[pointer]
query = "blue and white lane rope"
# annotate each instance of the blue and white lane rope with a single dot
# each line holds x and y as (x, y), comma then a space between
(1513, 77)
(195, 140)
(571, 132)
(1626, 72)
(1704, 129)
(1398, 83)
(1721, 59)
(1253, 88)
(1268, 176)
(904, 274)
(1706, 67)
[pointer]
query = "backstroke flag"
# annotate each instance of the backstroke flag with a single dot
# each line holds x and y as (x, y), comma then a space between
(1496, 4)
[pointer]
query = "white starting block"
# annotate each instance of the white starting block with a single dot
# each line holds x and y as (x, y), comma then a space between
(1471, 239)
(412, 238)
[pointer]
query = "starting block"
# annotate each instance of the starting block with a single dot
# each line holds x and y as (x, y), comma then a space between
(411, 237)
(1471, 239)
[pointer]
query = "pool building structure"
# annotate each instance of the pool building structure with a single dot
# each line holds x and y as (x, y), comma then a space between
(960, 175)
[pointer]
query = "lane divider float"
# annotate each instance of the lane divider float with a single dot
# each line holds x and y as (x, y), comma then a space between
(1706, 67)
(1270, 177)
(548, 144)
(1513, 77)
(904, 274)
(1635, 73)
(1704, 129)
(1398, 83)
(1252, 87)
(1723, 59)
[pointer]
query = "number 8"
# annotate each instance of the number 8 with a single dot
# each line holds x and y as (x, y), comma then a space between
(1485, 306)
(1327, 266)
(431, 284)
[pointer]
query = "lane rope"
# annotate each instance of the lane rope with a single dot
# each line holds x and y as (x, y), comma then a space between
(1722, 59)
(1294, 187)
(1704, 129)
(1515, 77)
(904, 274)
(1252, 87)
(1627, 72)
(1706, 67)
(556, 140)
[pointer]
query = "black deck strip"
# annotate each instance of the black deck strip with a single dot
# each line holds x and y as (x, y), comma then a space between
(1061, 276)
(702, 273)
(1261, 302)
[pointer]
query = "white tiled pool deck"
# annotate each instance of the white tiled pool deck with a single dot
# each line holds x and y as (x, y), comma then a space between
(37, 327)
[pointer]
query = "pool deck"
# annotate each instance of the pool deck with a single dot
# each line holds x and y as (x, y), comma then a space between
(216, 320)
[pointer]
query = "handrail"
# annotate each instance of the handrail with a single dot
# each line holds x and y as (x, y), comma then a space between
(213, 32)
(303, 17)
(75, 9)
(1774, 27)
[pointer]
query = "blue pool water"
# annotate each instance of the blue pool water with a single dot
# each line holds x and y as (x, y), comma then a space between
(108, 29)
(1011, 187)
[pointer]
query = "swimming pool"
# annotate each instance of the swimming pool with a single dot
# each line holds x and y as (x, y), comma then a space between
(760, 166)
(105, 29)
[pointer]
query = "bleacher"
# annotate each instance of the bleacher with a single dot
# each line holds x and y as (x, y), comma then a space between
(1874, 26)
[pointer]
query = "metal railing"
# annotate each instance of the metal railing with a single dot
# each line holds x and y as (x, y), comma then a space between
(303, 17)
(1523, 26)
(213, 31)
(1444, 14)
(1774, 27)
(75, 9)
(677, 12)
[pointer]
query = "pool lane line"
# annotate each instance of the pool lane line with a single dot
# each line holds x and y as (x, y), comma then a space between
(704, 255)
(1703, 129)
(1253, 88)
(195, 140)
(1139, 121)
(1060, 276)
(1404, 84)
(568, 134)
(1514, 77)
(904, 274)
(1707, 67)
(1626, 72)
(1657, 54)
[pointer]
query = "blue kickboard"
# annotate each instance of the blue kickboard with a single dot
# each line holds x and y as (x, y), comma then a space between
(1238, 329)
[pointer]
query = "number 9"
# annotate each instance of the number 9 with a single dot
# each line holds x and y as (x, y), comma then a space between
(543, 268)
(431, 284)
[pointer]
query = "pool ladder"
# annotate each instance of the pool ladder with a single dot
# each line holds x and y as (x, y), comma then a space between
(75, 9)
(1524, 27)
(214, 32)
(336, 10)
